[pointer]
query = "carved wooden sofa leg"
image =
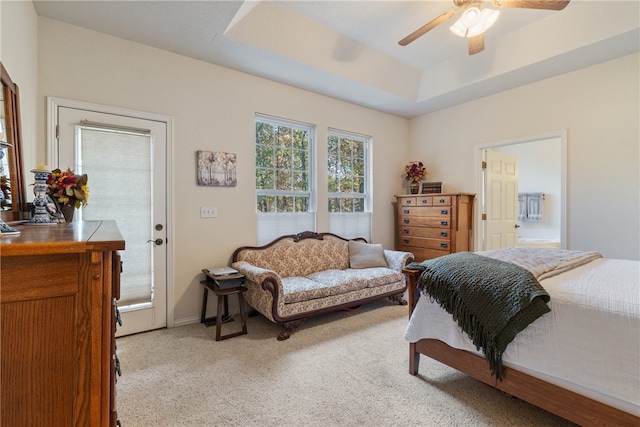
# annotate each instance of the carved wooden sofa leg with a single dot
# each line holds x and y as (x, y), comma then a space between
(399, 299)
(289, 328)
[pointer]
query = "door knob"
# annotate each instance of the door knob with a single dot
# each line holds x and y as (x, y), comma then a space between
(157, 241)
(517, 226)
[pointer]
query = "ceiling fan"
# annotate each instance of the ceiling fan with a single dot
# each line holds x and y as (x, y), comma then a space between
(475, 21)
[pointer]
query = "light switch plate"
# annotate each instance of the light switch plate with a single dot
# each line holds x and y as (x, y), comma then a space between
(208, 212)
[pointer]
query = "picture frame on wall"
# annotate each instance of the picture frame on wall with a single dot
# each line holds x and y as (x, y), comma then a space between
(216, 168)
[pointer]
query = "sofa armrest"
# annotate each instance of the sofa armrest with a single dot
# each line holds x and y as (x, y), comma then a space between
(397, 260)
(259, 275)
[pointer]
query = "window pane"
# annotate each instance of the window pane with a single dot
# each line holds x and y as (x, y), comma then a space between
(283, 136)
(283, 180)
(283, 159)
(265, 156)
(265, 179)
(358, 205)
(266, 204)
(345, 147)
(300, 181)
(334, 204)
(264, 133)
(346, 205)
(301, 139)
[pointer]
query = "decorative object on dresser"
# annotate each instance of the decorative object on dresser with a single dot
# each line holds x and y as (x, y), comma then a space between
(40, 215)
(414, 172)
(58, 317)
(431, 187)
(430, 226)
(68, 190)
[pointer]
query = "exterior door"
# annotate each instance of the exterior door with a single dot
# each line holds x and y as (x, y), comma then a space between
(126, 163)
(501, 178)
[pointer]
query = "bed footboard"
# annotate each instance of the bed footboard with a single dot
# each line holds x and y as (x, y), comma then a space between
(557, 400)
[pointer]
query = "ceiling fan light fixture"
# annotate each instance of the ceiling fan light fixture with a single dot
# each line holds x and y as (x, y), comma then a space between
(474, 22)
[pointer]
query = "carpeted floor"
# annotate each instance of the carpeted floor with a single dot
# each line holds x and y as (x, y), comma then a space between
(341, 369)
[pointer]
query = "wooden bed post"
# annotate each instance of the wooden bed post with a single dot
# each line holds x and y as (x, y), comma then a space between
(412, 294)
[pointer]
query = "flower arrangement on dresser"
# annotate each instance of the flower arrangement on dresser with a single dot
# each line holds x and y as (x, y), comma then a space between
(67, 188)
(414, 172)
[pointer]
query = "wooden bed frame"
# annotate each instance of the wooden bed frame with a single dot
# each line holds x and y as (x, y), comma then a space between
(557, 400)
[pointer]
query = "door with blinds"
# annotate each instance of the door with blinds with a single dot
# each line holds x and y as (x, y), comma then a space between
(126, 163)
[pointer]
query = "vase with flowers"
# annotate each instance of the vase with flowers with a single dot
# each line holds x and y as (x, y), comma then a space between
(68, 190)
(414, 172)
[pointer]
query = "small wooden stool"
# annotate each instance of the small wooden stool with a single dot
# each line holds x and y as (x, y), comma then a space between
(222, 314)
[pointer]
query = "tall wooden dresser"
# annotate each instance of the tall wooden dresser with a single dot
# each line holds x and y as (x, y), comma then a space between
(58, 286)
(433, 225)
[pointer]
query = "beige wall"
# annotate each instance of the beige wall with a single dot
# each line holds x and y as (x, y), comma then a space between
(213, 108)
(19, 55)
(600, 108)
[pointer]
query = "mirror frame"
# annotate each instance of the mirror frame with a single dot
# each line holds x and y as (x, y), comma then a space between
(13, 136)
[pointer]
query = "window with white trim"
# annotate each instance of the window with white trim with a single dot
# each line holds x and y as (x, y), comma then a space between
(349, 190)
(285, 197)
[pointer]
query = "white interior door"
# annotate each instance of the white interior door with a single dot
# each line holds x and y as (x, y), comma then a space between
(125, 160)
(501, 198)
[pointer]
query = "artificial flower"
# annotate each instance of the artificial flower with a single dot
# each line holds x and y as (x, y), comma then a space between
(67, 188)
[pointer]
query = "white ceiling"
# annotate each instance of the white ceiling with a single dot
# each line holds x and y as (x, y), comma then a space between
(349, 49)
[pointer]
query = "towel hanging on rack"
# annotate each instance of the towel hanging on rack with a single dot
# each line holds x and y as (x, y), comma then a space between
(522, 206)
(535, 206)
(530, 206)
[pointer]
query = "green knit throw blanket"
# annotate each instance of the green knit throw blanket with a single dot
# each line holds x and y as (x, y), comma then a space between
(491, 300)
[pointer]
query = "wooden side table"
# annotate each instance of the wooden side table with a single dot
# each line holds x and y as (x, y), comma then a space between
(222, 291)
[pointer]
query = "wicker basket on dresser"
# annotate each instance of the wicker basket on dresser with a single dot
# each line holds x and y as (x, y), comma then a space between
(433, 225)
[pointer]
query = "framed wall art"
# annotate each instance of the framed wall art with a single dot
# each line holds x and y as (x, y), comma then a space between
(216, 168)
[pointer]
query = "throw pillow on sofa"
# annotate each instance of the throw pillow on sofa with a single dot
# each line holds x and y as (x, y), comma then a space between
(366, 255)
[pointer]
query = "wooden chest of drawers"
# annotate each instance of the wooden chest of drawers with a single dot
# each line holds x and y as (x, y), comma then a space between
(432, 225)
(57, 324)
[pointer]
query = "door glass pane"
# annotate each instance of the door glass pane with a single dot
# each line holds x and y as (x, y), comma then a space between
(118, 165)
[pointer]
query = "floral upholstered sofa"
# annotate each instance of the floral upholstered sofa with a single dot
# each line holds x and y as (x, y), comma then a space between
(297, 276)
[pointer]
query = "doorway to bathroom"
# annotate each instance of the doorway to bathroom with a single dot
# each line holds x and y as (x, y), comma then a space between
(522, 192)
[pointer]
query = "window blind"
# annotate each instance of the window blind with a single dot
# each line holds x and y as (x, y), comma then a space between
(118, 165)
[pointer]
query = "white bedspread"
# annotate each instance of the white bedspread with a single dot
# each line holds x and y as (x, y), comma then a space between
(589, 342)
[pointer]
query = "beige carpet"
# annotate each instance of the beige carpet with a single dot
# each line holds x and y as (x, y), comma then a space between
(342, 369)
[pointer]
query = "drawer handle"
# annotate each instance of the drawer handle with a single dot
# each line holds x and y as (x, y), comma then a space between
(405, 241)
(409, 202)
(117, 366)
(443, 233)
(118, 317)
(424, 201)
(443, 245)
(444, 223)
(406, 211)
(441, 200)
(444, 211)
(405, 231)
(406, 221)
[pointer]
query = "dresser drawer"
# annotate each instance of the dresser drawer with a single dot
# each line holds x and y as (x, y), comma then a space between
(420, 242)
(441, 212)
(427, 232)
(425, 221)
(441, 201)
(422, 254)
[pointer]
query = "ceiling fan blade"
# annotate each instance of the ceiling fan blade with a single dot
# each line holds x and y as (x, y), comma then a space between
(533, 4)
(427, 27)
(476, 44)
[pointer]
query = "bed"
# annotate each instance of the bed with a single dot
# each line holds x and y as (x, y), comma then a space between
(581, 360)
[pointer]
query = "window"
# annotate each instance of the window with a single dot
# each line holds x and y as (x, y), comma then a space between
(348, 184)
(285, 199)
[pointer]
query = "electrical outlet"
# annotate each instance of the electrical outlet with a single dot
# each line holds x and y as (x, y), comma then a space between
(208, 212)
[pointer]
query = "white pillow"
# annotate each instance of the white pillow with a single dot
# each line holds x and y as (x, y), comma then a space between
(365, 255)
